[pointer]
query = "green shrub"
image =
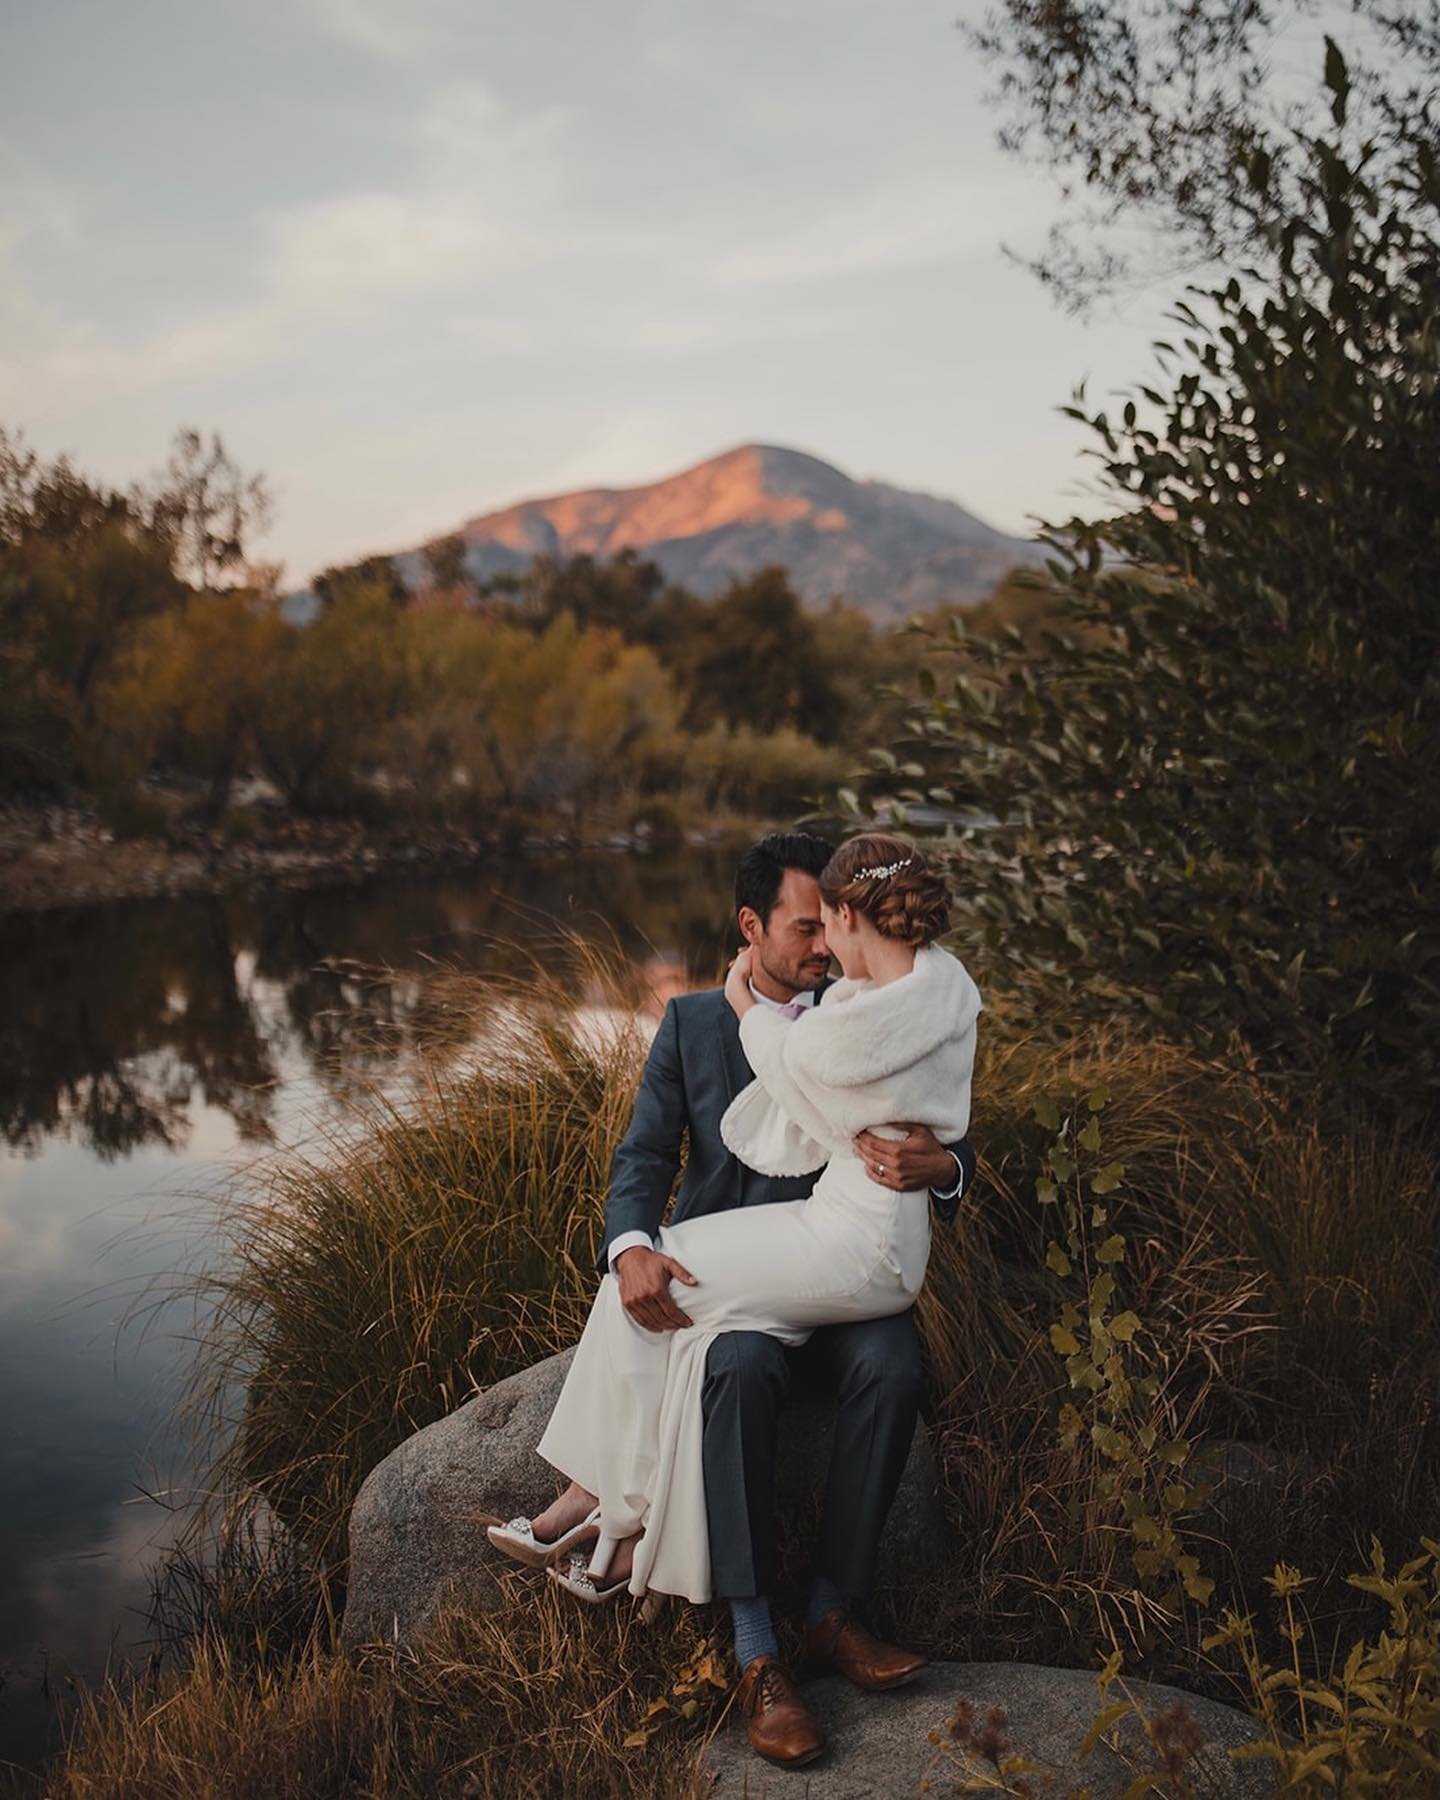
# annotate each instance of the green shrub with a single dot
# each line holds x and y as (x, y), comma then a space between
(1218, 777)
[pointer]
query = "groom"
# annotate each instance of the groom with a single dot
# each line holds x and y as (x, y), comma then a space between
(872, 1367)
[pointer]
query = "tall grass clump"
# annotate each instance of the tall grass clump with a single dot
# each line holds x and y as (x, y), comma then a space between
(425, 1250)
(530, 1699)
(1285, 1275)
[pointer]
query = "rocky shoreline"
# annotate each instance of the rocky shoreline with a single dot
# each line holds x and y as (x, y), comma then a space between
(60, 856)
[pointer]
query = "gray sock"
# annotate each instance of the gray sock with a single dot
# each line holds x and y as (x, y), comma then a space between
(754, 1630)
(824, 1597)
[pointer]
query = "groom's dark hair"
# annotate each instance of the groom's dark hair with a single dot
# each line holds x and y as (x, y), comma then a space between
(762, 868)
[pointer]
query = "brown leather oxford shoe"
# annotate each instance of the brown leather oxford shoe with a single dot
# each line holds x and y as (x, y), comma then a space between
(842, 1643)
(780, 1724)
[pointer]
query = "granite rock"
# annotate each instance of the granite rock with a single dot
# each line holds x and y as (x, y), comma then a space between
(417, 1529)
(878, 1744)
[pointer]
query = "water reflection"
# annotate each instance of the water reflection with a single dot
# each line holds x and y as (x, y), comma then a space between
(118, 1018)
(146, 1047)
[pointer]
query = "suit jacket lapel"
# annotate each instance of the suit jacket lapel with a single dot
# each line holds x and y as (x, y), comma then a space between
(738, 1073)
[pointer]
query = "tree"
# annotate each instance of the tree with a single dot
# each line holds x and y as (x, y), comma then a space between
(755, 658)
(445, 559)
(370, 575)
(1219, 780)
(206, 508)
(335, 689)
(1150, 111)
(618, 595)
(190, 684)
(506, 719)
(80, 568)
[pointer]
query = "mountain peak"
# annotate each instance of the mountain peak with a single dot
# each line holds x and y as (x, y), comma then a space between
(887, 549)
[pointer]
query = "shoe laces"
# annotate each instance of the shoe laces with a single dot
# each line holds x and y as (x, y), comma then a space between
(772, 1688)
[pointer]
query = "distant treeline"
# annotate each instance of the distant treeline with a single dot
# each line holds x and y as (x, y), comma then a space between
(139, 639)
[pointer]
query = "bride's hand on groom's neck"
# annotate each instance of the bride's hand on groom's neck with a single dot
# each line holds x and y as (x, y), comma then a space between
(737, 983)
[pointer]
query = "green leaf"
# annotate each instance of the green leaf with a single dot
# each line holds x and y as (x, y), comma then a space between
(1199, 1587)
(1047, 1113)
(1109, 1441)
(1124, 1326)
(1083, 1373)
(1090, 1136)
(1107, 1178)
(1098, 1098)
(1112, 1250)
(1100, 1724)
(1063, 1342)
(1056, 1260)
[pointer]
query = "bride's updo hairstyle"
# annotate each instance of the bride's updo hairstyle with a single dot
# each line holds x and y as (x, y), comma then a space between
(888, 882)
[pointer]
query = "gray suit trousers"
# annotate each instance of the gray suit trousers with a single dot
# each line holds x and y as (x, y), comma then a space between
(873, 1369)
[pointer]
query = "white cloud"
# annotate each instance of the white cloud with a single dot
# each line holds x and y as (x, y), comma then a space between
(40, 216)
(486, 200)
(375, 242)
(919, 222)
(397, 31)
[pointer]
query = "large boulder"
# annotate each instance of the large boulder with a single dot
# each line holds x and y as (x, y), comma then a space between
(879, 1744)
(417, 1529)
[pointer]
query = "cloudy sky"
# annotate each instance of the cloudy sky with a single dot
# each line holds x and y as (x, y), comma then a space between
(418, 258)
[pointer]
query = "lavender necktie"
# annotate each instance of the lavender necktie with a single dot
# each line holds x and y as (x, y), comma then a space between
(793, 1009)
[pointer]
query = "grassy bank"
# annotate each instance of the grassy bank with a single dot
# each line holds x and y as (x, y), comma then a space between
(53, 856)
(1279, 1261)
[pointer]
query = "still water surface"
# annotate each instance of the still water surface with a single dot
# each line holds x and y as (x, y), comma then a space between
(148, 1049)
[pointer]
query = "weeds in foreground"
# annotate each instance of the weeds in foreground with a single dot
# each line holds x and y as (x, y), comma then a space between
(529, 1699)
(1371, 1725)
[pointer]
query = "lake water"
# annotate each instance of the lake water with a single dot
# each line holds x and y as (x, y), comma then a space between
(150, 1048)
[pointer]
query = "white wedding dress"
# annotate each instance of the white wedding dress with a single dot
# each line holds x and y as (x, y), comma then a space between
(627, 1425)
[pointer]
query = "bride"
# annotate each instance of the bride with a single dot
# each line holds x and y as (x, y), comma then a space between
(893, 1040)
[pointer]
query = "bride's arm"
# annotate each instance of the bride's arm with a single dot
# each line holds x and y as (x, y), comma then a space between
(737, 984)
(767, 1038)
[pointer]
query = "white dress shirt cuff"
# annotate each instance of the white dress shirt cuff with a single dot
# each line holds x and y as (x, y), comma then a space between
(954, 1192)
(628, 1240)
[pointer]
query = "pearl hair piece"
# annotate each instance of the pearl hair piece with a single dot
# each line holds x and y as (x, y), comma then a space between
(881, 870)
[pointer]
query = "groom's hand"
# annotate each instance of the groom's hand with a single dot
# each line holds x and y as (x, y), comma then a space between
(918, 1160)
(644, 1277)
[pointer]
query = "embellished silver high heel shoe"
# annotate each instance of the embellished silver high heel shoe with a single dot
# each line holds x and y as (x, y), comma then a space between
(518, 1539)
(582, 1578)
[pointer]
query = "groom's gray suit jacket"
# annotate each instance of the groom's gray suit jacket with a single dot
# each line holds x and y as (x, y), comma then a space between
(695, 1069)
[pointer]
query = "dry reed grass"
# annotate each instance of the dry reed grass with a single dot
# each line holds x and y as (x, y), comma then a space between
(532, 1699)
(424, 1251)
